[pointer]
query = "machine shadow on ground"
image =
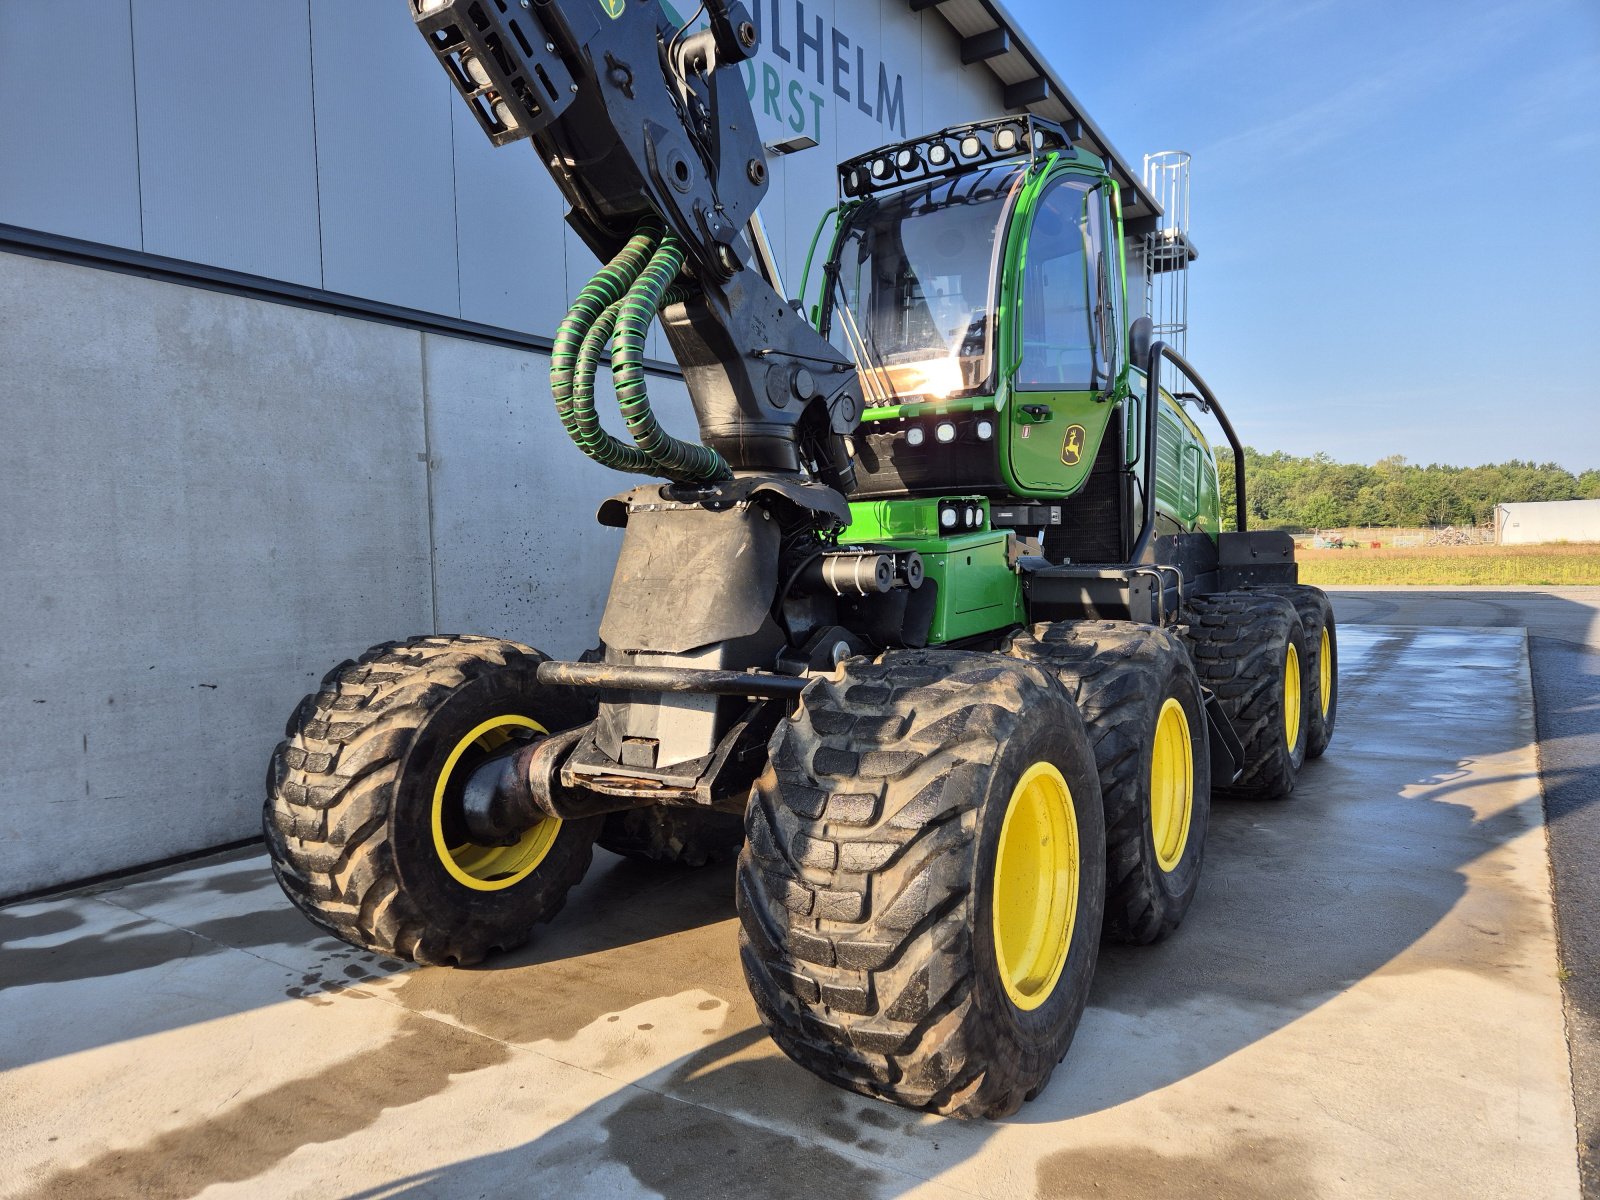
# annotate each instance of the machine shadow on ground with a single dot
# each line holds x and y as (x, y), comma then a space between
(619, 906)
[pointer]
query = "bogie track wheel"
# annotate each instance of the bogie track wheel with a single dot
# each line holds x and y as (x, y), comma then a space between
(1322, 662)
(923, 880)
(1247, 649)
(1141, 702)
(363, 815)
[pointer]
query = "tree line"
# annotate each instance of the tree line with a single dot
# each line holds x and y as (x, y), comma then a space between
(1286, 490)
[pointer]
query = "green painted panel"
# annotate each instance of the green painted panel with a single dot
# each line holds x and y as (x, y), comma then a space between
(1051, 457)
(1186, 467)
(978, 590)
(978, 593)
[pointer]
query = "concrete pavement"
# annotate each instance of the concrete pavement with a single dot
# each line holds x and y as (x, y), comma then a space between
(1563, 627)
(1364, 1002)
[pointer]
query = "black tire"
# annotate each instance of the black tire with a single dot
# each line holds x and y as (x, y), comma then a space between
(682, 837)
(867, 883)
(1122, 676)
(1241, 642)
(350, 800)
(1316, 617)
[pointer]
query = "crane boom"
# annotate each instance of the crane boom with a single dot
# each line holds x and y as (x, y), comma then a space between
(646, 126)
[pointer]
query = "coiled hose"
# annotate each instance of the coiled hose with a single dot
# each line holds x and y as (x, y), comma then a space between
(617, 306)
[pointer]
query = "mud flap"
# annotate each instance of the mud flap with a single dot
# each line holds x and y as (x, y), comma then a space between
(1227, 751)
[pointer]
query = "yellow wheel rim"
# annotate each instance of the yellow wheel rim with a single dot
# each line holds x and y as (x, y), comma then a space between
(1036, 874)
(489, 868)
(1171, 784)
(1291, 697)
(1325, 671)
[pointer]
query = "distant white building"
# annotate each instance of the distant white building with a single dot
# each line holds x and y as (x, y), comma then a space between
(1547, 521)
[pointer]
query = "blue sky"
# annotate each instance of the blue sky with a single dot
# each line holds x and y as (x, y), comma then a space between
(1397, 207)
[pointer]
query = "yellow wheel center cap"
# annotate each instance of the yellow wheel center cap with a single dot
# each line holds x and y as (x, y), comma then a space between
(1291, 697)
(1037, 866)
(1171, 784)
(488, 868)
(1325, 671)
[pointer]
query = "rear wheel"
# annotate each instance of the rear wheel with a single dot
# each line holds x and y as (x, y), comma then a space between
(1246, 648)
(1141, 702)
(363, 815)
(1322, 662)
(922, 886)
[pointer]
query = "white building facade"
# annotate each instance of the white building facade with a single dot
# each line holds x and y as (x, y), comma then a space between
(273, 329)
(1538, 521)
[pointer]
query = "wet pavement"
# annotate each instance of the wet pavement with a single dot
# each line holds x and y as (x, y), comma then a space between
(1563, 627)
(1364, 1002)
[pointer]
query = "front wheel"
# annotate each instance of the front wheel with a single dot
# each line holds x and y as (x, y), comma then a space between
(363, 817)
(923, 882)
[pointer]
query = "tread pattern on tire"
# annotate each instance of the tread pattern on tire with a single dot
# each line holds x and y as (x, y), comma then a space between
(331, 783)
(1109, 669)
(855, 884)
(1237, 641)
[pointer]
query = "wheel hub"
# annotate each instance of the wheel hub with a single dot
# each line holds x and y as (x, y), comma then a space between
(1171, 784)
(1291, 697)
(1037, 865)
(1325, 671)
(486, 859)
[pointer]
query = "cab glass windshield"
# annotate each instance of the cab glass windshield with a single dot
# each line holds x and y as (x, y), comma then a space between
(914, 297)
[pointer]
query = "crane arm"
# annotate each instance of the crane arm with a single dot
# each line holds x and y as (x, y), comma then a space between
(647, 130)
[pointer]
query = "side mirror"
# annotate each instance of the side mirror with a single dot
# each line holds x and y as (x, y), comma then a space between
(1140, 335)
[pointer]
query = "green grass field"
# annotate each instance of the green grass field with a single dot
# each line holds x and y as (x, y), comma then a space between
(1454, 566)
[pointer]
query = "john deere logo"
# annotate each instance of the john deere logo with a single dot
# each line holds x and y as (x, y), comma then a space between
(1072, 444)
(613, 7)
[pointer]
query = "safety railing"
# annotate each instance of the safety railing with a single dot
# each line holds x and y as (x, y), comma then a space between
(1159, 352)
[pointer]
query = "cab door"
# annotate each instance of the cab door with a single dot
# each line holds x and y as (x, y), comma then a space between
(1063, 341)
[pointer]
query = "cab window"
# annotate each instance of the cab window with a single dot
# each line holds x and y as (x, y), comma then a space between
(1059, 288)
(913, 286)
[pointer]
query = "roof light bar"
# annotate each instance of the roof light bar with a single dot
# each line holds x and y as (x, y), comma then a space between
(950, 152)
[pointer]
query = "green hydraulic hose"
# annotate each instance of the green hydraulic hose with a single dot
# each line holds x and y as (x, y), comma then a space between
(574, 403)
(585, 427)
(674, 458)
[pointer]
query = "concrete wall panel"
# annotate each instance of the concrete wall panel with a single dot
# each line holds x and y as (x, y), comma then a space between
(208, 501)
(518, 552)
(517, 549)
(226, 149)
(69, 160)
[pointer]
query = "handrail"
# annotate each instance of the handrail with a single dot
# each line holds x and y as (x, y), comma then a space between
(1208, 401)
